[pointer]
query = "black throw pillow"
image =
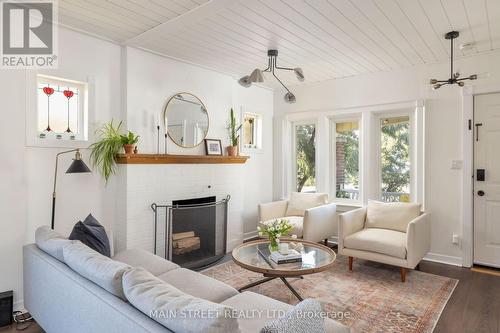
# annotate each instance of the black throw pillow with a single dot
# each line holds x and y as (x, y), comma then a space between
(91, 233)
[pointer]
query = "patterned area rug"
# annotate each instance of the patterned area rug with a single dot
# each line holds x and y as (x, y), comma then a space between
(371, 298)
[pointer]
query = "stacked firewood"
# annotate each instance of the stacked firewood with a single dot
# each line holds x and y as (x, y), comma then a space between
(185, 242)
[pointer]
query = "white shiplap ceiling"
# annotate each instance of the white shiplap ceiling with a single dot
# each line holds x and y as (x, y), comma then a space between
(327, 38)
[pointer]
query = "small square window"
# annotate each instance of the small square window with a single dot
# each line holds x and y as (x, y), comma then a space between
(61, 109)
(251, 131)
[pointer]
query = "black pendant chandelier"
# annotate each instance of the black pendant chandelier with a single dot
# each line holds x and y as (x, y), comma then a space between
(257, 76)
(454, 77)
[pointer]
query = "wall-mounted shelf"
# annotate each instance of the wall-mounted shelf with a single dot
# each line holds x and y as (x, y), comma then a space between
(178, 159)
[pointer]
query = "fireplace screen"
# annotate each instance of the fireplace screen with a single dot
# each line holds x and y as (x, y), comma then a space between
(193, 232)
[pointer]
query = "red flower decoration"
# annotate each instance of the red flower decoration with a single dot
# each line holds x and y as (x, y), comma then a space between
(68, 93)
(48, 91)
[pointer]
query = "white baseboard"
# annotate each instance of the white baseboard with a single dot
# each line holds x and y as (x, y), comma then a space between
(444, 259)
(19, 306)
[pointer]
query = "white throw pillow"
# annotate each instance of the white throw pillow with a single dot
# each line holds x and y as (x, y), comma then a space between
(172, 308)
(51, 242)
(391, 215)
(103, 271)
(299, 202)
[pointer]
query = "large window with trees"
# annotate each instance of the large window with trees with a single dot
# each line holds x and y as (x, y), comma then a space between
(346, 136)
(305, 157)
(395, 158)
(366, 153)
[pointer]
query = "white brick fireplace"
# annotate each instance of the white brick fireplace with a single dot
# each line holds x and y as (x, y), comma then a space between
(140, 185)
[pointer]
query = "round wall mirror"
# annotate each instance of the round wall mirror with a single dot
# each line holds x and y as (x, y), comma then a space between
(187, 120)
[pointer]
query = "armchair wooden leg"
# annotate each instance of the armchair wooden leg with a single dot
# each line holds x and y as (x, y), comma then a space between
(326, 241)
(403, 274)
(350, 263)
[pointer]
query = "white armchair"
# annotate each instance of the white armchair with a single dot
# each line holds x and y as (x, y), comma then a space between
(313, 218)
(396, 234)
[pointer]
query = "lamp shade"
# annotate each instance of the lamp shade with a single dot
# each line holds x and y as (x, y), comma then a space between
(78, 166)
(256, 76)
(299, 74)
(245, 81)
(289, 98)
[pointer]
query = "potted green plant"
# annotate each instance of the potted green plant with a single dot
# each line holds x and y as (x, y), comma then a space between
(129, 142)
(104, 150)
(233, 131)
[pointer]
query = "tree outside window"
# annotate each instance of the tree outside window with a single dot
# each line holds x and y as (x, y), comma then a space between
(395, 159)
(305, 151)
(347, 160)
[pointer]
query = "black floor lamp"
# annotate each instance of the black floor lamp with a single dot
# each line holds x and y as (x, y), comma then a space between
(77, 166)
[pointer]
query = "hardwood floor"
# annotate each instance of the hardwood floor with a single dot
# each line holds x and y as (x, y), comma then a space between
(33, 328)
(474, 306)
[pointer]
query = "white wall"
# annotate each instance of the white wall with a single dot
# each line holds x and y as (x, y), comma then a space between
(27, 172)
(443, 130)
(149, 80)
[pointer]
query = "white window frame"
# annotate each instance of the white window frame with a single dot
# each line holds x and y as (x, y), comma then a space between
(333, 154)
(258, 132)
(294, 124)
(413, 158)
(369, 145)
(85, 116)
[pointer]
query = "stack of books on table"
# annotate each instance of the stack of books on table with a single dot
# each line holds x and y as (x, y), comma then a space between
(292, 256)
(278, 258)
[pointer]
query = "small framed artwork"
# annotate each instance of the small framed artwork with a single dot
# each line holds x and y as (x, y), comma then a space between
(213, 147)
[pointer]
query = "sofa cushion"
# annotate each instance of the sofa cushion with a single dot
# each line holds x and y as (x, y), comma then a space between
(299, 202)
(51, 242)
(198, 285)
(91, 233)
(173, 308)
(296, 221)
(141, 258)
(384, 241)
(264, 309)
(101, 270)
(391, 215)
(304, 317)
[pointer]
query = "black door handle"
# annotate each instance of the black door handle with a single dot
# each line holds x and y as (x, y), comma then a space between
(477, 130)
(480, 193)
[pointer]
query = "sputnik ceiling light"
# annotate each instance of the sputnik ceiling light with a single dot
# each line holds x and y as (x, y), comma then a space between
(256, 75)
(454, 77)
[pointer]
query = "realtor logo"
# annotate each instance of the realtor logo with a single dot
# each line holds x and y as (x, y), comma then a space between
(28, 34)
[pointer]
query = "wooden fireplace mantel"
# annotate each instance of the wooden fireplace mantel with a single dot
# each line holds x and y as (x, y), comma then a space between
(178, 159)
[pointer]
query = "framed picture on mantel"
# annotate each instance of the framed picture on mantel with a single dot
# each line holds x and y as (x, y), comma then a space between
(213, 147)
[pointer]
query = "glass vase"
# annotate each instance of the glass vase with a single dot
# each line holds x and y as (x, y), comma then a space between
(273, 243)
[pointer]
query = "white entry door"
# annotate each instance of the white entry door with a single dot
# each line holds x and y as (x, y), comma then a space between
(487, 180)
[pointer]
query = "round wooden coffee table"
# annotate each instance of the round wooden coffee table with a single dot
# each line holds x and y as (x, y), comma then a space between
(315, 258)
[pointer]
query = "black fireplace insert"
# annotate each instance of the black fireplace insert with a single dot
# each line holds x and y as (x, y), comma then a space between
(194, 233)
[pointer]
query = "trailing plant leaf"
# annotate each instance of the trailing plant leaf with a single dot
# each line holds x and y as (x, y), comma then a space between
(104, 151)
